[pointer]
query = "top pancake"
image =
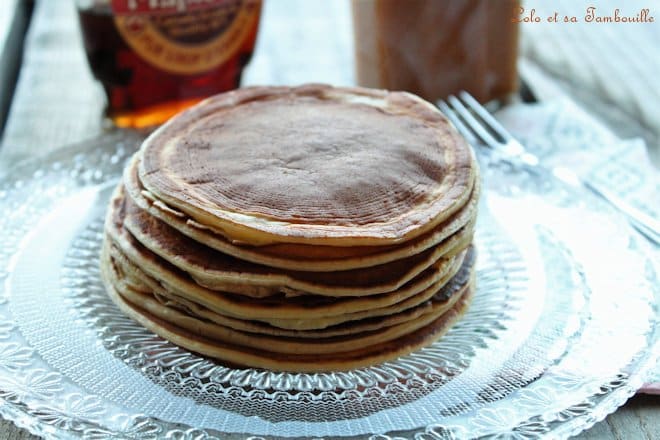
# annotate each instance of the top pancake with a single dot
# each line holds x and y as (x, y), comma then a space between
(296, 256)
(311, 164)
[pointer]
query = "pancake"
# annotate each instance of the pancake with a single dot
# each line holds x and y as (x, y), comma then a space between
(301, 257)
(219, 271)
(257, 358)
(260, 327)
(301, 312)
(350, 323)
(300, 343)
(357, 167)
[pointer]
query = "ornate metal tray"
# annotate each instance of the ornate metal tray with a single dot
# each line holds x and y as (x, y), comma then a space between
(563, 328)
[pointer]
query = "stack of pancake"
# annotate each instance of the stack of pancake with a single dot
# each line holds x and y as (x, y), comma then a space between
(307, 229)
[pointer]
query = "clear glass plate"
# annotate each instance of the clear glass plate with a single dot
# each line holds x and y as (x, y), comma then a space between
(563, 328)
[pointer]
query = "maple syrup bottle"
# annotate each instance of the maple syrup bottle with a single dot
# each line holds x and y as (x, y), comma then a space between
(154, 58)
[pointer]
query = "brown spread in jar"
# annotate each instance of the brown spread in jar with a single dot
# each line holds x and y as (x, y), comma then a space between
(437, 48)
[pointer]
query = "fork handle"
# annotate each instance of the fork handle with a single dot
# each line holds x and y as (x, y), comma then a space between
(645, 224)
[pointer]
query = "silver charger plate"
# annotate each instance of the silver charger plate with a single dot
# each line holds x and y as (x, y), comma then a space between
(562, 330)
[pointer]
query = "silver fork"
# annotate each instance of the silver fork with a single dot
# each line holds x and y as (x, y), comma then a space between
(480, 128)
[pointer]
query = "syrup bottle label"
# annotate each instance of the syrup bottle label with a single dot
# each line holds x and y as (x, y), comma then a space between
(185, 37)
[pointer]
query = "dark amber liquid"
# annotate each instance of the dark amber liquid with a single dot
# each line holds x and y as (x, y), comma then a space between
(140, 94)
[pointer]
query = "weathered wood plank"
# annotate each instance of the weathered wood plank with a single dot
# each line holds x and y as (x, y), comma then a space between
(303, 41)
(599, 431)
(638, 419)
(9, 431)
(641, 416)
(14, 15)
(56, 101)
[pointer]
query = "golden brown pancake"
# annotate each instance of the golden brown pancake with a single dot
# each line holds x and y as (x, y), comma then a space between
(354, 167)
(260, 327)
(219, 271)
(281, 344)
(301, 313)
(350, 323)
(259, 358)
(301, 342)
(295, 256)
(298, 313)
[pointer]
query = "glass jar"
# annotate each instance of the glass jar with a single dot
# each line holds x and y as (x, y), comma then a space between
(155, 58)
(436, 48)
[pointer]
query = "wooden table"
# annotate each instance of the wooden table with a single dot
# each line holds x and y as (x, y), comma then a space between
(56, 102)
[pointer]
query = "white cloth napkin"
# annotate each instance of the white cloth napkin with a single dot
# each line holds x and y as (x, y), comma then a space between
(562, 134)
(619, 63)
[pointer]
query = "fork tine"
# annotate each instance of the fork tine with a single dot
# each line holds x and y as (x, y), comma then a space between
(451, 115)
(477, 108)
(476, 126)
